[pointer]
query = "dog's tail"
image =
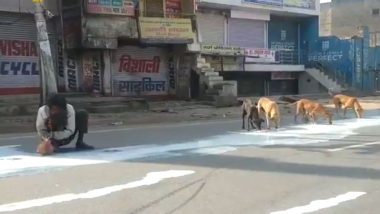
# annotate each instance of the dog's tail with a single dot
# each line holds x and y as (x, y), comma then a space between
(292, 104)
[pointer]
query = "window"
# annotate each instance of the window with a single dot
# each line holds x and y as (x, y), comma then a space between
(325, 45)
(283, 35)
(376, 12)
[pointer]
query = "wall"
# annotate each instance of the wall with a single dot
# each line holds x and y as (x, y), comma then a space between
(348, 15)
(308, 85)
(262, 5)
(336, 55)
(27, 6)
(283, 33)
(104, 32)
(325, 19)
(140, 71)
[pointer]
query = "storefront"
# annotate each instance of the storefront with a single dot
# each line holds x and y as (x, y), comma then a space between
(138, 71)
(19, 64)
(246, 33)
(212, 27)
(284, 37)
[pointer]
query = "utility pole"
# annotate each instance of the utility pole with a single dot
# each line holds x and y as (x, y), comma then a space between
(48, 82)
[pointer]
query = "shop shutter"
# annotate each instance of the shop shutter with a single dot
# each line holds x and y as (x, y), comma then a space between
(19, 62)
(138, 53)
(211, 27)
(246, 33)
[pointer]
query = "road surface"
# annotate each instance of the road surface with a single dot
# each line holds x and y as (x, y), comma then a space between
(210, 167)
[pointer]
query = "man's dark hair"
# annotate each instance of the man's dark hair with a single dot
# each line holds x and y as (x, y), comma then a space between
(58, 119)
(57, 100)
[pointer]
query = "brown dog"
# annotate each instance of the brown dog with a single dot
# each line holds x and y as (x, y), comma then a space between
(250, 112)
(303, 106)
(311, 109)
(319, 110)
(345, 102)
(271, 110)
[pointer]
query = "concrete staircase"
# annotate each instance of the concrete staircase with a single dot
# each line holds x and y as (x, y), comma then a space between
(325, 80)
(213, 87)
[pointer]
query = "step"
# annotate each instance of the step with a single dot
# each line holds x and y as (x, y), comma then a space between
(210, 73)
(212, 83)
(212, 91)
(213, 78)
(203, 65)
(207, 69)
(201, 60)
(133, 106)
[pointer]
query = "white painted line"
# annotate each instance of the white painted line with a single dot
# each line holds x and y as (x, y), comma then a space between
(150, 179)
(322, 204)
(353, 146)
(97, 131)
(213, 151)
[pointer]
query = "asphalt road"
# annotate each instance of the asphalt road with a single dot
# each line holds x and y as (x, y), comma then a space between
(211, 167)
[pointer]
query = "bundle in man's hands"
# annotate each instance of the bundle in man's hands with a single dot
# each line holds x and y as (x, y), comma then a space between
(45, 147)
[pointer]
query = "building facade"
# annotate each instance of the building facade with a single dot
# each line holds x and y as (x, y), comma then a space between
(164, 48)
(269, 39)
(126, 48)
(343, 18)
(19, 61)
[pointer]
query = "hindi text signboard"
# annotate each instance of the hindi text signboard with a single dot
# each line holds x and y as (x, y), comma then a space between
(166, 30)
(260, 55)
(111, 7)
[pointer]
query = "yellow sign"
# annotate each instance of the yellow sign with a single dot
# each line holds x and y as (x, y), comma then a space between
(37, 1)
(166, 29)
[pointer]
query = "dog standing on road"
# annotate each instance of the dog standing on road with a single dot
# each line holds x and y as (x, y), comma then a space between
(271, 110)
(250, 112)
(310, 109)
(343, 101)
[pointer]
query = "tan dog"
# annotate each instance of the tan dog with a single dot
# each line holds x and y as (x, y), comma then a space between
(303, 107)
(319, 110)
(271, 110)
(311, 109)
(345, 102)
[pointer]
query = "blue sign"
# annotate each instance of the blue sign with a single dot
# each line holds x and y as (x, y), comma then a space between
(267, 2)
(335, 55)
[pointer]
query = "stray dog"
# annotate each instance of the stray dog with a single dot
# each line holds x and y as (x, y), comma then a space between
(303, 106)
(271, 110)
(319, 110)
(250, 111)
(310, 109)
(345, 102)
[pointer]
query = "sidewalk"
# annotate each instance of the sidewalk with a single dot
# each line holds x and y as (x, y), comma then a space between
(166, 112)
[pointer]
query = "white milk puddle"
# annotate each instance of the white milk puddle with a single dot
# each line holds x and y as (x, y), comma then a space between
(322, 204)
(14, 162)
(150, 179)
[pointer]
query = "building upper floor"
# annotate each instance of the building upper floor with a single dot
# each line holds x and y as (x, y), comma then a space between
(281, 7)
(27, 6)
(343, 18)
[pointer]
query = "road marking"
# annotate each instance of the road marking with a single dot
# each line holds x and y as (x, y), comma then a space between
(353, 146)
(99, 131)
(322, 204)
(150, 179)
(213, 151)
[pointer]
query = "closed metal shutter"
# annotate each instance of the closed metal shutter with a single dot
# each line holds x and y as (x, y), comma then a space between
(140, 71)
(19, 62)
(211, 27)
(246, 33)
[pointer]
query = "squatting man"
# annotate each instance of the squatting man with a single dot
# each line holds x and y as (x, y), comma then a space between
(57, 125)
